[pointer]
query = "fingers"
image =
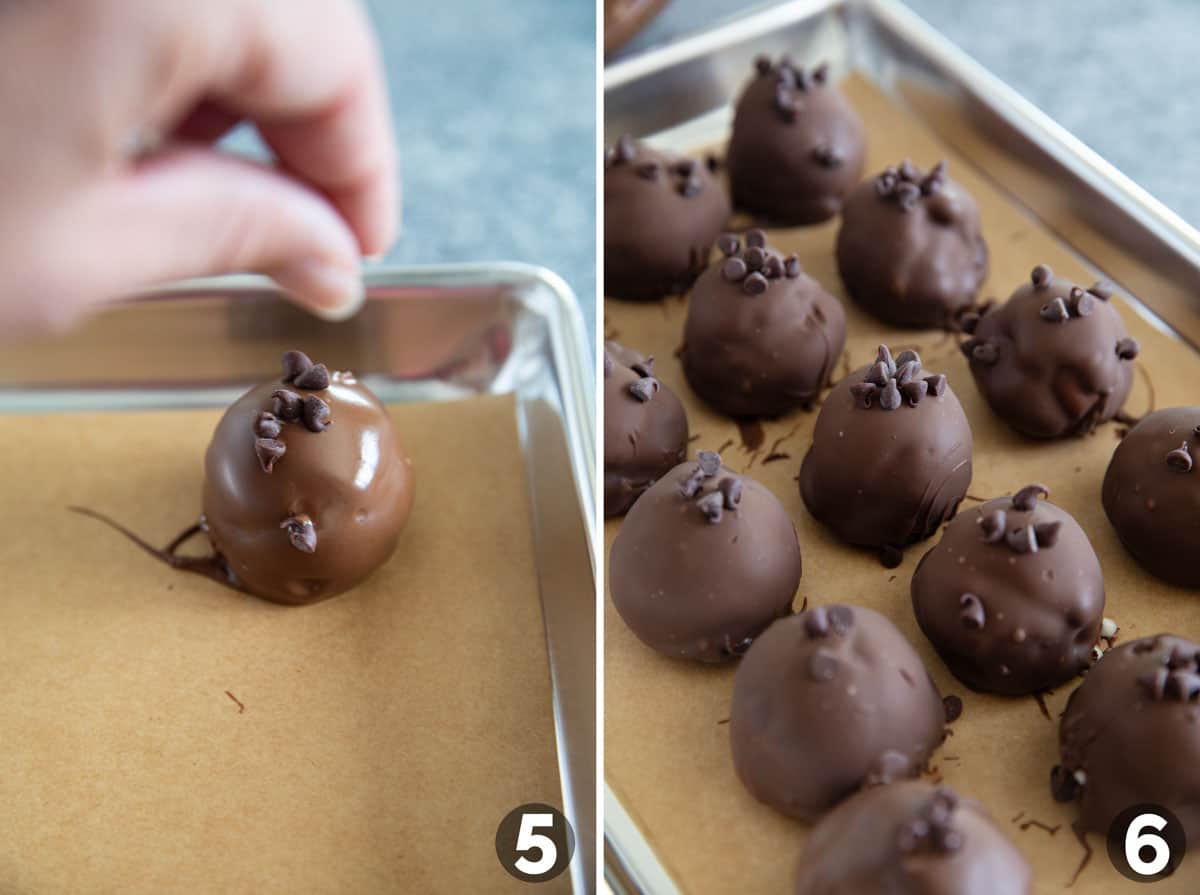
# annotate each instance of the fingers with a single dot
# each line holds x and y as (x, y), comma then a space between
(308, 74)
(193, 212)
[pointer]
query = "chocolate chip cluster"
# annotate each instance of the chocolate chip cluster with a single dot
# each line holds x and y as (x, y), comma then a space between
(1180, 459)
(644, 388)
(890, 383)
(726, 496)
(684, 174)
(820, 623)
(1176, 680)
(905, 183)
(288, 406)
(930, 830)
(792, 81)
(755, 266)
(1020, 538)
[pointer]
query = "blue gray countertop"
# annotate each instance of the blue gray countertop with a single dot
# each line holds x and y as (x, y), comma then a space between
(1121, 76)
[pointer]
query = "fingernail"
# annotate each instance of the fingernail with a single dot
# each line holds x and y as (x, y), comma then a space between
(329, 291)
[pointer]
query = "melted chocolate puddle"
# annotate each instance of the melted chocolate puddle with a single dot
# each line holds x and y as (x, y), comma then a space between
(212, 567)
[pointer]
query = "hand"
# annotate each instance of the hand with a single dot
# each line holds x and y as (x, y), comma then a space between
(86, 214)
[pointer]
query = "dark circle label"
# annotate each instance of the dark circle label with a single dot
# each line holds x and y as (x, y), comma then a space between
(535, 842)
(1146, 843)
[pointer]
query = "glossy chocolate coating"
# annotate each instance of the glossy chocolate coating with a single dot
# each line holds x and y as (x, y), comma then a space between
(625, 18)
(1047, 370)
(910, 838)
(661, 216)
(645, 428)
(1012, 597)
(1151, 494)
(912, 257)
(751, 354)
(1133, 729)
(797, 146)
(827, 701)
(881, 478)
(697, 589)
(352, 480)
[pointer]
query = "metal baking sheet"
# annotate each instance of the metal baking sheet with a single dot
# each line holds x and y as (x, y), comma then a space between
(425, 334)
(678, 97)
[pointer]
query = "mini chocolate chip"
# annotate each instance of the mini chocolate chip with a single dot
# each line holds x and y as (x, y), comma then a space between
(1026, 499)
(643, 389)
(1083, 305)
(268, 451)
(908, 195)
(1046, 533)
(693, 186)
(731, 490)
(935, 179)
(647, 170)
(626, 148)
(301, 533)
(1055, 311)
(816, 622)
(827, 156)
(864, 394)
(1021, 539)
(820, 74)
(884, 356)
(314, 379)
(755, 284)
(791, 267)
(841, 619)
(786, 77)
(710, 462)
(948, 840)
(912, 833)
(734, 269)
(756, 238)
(691, 486)
(1127, 348)
(712, 506)
(285, 404)
(936, 384)
(953, 706)
(608, 365)
(1063, 785)
(785, 104)
(972, 615)
(891, 765)
(993, 526)
(908, 356)
(729, 244)
(773, 267)
(1180, 459)
(755, 256)
(644, 367)
(906, 371)
(1179, 659)
(1041, 276)
(684, 167)
(1102, 289)
(885, 184)
(762, 65)
(316, 414)
(295, 363)
(1182, 686)
(908, 172)
(822, 666)
(985, 353)
(878, 373)
(968, 322)
(267, 426)
(913, 392)
(889, 398)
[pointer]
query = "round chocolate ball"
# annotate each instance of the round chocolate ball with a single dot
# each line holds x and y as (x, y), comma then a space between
(1055, 359)
(828, 701)
(306, 487)
(911, 838)
(661, 216)
(1151, 494)
(645, 428)
(797, 146)
(703, 562)
(909, 250)
(891, 454)
(761, 337)
(1130, 735)
(1012, 597)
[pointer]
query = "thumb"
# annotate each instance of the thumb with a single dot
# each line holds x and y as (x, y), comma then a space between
(191, 212)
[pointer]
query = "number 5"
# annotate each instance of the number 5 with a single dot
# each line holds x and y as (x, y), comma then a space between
(1136, 840)
(548, 853)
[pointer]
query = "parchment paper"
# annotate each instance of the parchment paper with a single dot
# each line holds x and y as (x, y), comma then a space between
(667, 747)
(384, 732)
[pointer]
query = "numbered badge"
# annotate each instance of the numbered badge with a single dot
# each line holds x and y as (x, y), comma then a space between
(535, 843)
(1146, 843)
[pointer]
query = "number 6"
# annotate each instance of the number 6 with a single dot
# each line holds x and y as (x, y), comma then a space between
(548, 853)
(1136, 840)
